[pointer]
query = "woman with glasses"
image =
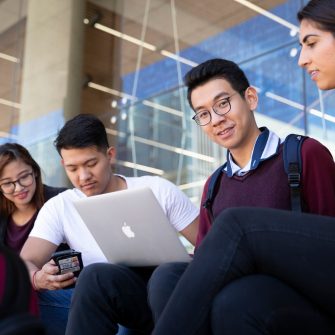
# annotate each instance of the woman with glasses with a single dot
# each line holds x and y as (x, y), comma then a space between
(22, 194)
(266, 271)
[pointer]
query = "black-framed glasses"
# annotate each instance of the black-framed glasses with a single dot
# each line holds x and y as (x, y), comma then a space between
(10, 186)
(221, 107)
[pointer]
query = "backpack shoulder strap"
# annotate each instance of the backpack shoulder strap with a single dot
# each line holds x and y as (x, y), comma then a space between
(293, 167)
(212, 188)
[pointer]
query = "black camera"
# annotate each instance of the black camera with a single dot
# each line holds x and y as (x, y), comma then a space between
(68, 261)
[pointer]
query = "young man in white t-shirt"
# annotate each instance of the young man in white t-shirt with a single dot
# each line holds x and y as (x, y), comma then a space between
(106, 295)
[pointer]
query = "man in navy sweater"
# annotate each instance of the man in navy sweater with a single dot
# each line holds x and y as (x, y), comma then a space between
(254, 176)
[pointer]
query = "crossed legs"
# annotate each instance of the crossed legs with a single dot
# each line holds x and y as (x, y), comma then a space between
(297, 249)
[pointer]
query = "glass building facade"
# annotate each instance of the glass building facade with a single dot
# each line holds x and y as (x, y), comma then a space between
(124, 60)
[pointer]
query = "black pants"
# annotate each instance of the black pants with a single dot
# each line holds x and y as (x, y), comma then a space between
(107, 295)
(295, 251)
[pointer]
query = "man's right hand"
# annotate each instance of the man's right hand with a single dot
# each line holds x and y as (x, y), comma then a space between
(47, 278)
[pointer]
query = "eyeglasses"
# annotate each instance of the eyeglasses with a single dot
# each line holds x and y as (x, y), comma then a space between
(10, 186)
(221, 107)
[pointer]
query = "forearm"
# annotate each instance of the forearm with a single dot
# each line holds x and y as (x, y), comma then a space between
(191, 231)
(33, 270)
(43, 272)
(47, 277)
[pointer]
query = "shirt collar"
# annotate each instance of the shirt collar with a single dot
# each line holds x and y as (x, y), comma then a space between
(265, 147)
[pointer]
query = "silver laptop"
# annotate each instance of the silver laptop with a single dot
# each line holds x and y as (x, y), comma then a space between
(131, 228)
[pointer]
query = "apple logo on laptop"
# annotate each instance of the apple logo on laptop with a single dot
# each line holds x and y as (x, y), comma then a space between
(127, 230)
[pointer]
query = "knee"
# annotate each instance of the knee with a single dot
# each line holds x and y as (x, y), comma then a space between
(90, 271)
(229, 219)
(98, 275)
(240, 221)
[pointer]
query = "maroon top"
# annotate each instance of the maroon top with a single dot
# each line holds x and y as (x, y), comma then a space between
(17, 235)
(267, 186)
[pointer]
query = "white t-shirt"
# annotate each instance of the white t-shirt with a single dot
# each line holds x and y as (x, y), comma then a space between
(58, 220)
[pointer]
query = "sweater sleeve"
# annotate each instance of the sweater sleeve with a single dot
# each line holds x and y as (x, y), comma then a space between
(318, 179)
(204, 218)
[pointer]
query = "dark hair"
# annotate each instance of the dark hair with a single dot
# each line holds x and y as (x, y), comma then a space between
(10, 152)
(83, 131)
(321, 12)
(215, 69)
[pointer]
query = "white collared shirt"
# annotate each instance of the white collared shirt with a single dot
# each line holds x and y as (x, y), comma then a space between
(265, 147)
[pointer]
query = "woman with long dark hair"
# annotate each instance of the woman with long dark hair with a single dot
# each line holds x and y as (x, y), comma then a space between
(22, 194)
(262, 271)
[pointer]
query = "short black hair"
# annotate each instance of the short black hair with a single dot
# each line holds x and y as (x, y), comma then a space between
(215, 69)
(321, 12)
(82, 131)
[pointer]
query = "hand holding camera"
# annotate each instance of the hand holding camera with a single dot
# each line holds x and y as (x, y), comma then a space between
(68, 261)
(60, 272)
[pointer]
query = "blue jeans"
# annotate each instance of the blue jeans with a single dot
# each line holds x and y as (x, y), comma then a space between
(108, 295)
(54, 310)
(297, 249)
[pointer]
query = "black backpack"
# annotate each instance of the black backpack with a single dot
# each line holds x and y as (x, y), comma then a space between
(16, 297)
(292, 165)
